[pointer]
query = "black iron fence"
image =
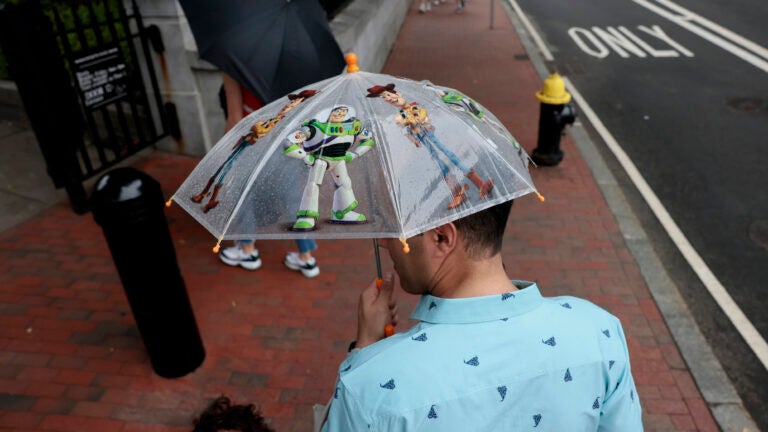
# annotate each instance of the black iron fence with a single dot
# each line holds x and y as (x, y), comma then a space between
(98, 55)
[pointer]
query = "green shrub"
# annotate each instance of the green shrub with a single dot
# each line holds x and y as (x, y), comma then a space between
(92, 14)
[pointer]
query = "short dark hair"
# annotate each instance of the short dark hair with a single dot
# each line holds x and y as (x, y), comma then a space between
(222, 415)
(483, 231)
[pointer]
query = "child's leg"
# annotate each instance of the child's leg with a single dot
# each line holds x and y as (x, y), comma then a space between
(306, 246)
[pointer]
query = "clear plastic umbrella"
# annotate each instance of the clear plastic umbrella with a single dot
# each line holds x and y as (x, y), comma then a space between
(359, 155)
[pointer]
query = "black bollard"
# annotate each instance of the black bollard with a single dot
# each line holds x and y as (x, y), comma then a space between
(128, 205)
(554, 115)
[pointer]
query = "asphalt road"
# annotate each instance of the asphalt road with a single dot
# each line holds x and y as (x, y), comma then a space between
(693, 117)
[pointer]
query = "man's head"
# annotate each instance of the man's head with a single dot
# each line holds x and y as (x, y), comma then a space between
(449, 249)
(483, 231)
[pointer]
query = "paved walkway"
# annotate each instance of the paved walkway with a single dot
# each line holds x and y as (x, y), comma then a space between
(71, 358)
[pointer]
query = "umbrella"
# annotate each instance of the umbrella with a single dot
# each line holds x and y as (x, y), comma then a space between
(268, 46)
(359, 155)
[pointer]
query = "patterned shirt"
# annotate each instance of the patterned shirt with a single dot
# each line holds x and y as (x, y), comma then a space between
(510, 362)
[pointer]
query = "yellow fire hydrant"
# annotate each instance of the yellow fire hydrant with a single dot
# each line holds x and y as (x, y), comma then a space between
(555, 114)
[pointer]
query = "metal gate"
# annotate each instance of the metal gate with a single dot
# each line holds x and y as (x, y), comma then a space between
(106, 55)
(103, 52)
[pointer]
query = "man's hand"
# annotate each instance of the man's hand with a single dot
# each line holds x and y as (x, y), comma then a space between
(376, 309)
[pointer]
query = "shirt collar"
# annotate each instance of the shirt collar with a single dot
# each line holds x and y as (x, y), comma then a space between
(438, 310)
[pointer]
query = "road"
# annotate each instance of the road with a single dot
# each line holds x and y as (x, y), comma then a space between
(687, 100)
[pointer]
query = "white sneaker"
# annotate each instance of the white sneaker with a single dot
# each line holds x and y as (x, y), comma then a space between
(422, 8)
(308, 269)
(235, 256)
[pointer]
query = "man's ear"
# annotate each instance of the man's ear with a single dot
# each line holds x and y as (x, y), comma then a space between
(445, 238)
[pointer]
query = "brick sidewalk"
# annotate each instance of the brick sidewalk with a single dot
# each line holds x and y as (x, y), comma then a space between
(71, 358)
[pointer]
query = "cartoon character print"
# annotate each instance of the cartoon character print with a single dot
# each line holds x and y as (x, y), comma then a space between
(414, 118)
(323, 143)
(258, 130)
(465, 104)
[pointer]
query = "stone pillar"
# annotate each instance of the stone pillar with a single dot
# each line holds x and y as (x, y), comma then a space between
(191, 84)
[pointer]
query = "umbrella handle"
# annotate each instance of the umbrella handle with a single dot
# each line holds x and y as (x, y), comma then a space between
(389, 329)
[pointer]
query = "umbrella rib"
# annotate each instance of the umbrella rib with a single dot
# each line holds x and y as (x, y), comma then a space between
(389, 175)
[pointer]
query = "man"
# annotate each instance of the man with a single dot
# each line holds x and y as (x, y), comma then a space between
(488, 354)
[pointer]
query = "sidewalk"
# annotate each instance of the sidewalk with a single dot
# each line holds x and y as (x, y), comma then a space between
(71, 358)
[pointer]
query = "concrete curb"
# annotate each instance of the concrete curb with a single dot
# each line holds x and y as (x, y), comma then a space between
(716, 388)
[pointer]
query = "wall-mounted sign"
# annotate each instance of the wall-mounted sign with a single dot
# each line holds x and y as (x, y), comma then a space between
(101, 76)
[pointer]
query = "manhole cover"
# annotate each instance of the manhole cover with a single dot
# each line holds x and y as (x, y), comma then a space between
(745, 104)
(758, 232)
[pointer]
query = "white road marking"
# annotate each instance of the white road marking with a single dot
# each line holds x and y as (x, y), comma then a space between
(710, 281)
(651, 50)
(733, 37)
(657, 32)
(623, 42)
(534, 35)
(688, 20)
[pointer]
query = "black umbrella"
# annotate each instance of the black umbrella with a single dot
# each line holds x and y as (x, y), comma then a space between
(271, 47)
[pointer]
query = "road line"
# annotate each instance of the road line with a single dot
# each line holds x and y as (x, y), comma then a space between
(684, 22)
(710, 281)
(534, 34)
(728, 34)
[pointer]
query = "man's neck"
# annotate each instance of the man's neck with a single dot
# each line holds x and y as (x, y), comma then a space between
(474, 278)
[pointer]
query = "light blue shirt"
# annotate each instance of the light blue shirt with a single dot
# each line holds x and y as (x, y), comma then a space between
(509, 362)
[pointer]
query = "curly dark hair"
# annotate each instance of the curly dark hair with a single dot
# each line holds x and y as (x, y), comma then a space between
(222, 415)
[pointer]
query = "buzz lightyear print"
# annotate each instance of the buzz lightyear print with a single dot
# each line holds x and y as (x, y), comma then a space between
(323, 143)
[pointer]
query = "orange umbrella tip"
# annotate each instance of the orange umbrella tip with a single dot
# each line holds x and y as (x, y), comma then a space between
(169, 202)
(389, 330)
(540, 197)
(406, 248)
(351, 59)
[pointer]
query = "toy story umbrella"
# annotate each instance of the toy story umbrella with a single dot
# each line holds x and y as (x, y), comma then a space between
(268, 46)
(359, 155)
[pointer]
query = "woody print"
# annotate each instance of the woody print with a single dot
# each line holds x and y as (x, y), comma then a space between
(257, 131)
(414, 118)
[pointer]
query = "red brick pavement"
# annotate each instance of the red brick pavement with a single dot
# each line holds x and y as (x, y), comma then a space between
(71, 358)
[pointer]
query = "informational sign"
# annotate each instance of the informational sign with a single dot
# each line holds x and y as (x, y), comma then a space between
(101, 76)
